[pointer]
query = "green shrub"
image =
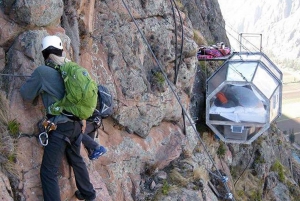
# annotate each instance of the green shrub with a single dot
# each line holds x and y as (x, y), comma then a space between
(12, 158)
(13, 127)
(159, 77)
(278, 167)
(221, 150)
(7, 146)
(259, 160)
(240, 193)
(256, 195)
(165, 188)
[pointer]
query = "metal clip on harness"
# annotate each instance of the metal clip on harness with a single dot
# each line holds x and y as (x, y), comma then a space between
(43, 137)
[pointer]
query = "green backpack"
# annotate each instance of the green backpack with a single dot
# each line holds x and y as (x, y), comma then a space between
(80, 92)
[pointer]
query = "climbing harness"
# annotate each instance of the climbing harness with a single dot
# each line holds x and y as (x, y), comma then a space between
(175, 94)
(43, 136)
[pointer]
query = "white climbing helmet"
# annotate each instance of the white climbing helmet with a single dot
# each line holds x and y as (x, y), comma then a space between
(54, 41)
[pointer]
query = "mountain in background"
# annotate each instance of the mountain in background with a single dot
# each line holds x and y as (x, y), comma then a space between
(277, 21)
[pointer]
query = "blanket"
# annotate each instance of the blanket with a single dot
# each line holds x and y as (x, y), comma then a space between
(241, 114)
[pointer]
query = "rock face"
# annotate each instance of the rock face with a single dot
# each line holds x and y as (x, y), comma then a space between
(146, 127)
(152, 153)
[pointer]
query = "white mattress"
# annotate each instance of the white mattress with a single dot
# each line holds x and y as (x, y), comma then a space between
(239, 113)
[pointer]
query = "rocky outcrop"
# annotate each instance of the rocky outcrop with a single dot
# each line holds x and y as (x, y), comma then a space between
(207, 18)
(145, 130)
(5, 188)
(152, 153)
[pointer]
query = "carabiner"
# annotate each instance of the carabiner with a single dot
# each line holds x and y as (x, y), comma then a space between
(43, 137)
(98, 121)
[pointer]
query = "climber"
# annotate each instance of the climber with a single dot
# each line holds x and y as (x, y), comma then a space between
(48, 82)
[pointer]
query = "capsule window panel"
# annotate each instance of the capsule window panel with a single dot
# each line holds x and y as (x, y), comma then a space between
(216, 80)
(265, 82)
(272, 68)
(241, 71)
(275, 105)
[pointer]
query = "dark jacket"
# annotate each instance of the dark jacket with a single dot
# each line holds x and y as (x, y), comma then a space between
(45, 81)
(48, 83)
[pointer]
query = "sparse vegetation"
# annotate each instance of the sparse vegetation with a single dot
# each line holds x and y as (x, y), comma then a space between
(240, 193)
(221, 150)
(259, 140)
(249, 187)
(202, 66)
(12, 157)
(259, 160)
(179, 4)
(200, 173)
(256, 195)
(158, 81)
(177, 178)
(7, 144)
(294, 190)
(13, 127)
(278, 167)
(235, 171)
(198, 38)
(165, 188)
(158, 76)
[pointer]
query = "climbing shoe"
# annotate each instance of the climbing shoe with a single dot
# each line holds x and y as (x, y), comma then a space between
(80, 197)
(97, 153)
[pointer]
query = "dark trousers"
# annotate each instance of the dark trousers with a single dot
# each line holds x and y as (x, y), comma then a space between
(53, 154)
(88, 137)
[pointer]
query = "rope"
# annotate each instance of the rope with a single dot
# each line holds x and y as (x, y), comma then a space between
(181, 46)
(175, 61)
(176, 96)
(12, 75)
(27, 135)
(181, 51)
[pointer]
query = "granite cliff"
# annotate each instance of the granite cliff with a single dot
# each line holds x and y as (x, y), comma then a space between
(153, 153)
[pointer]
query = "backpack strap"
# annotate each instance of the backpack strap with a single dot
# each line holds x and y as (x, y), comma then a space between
(51, 64)
(70, 115)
